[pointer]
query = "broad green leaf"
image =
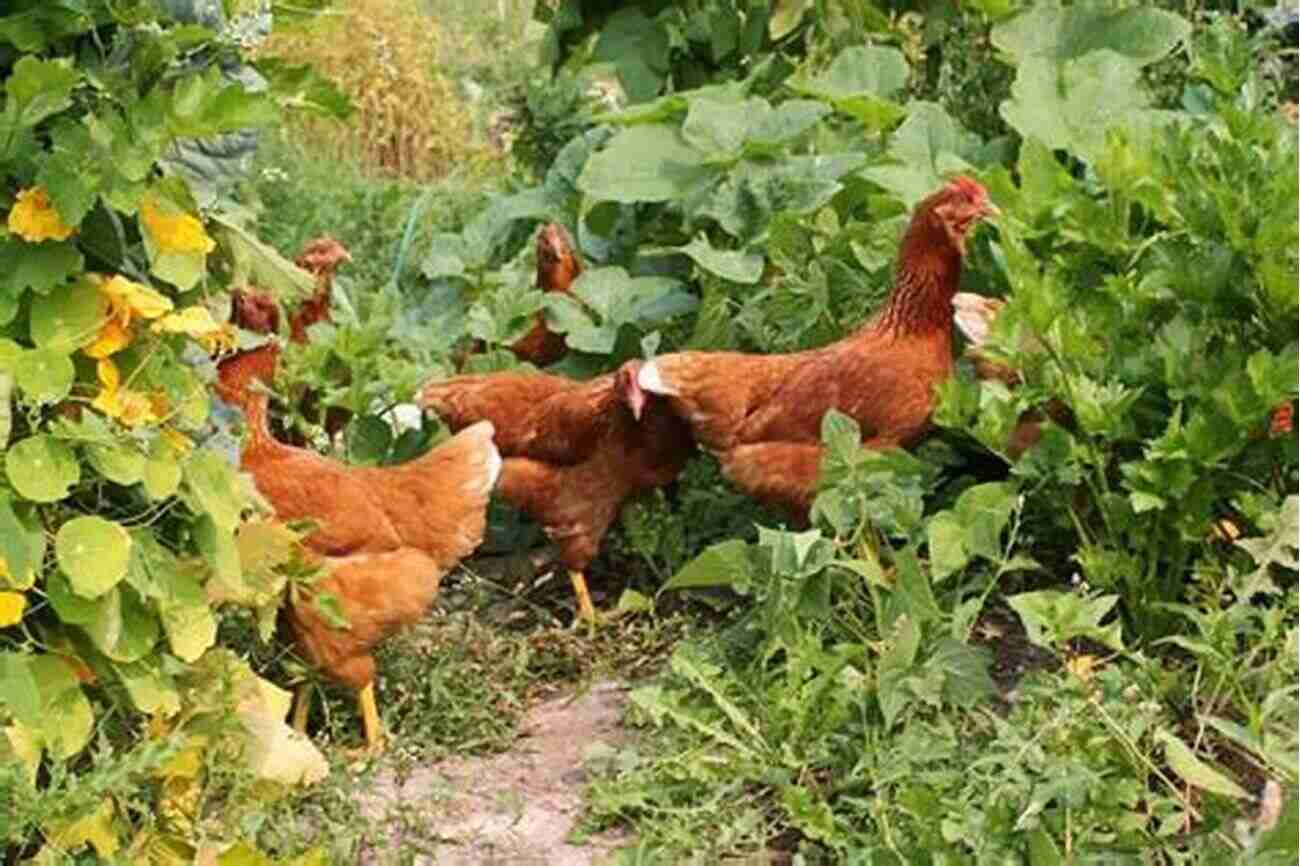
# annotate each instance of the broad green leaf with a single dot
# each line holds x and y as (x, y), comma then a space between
(21, 549)
(262, 265)
(734, 265)
(211, 482)
(785, 17)
(219, 551)
(124, 628)
(719, 129)
(150, 688)
(638, 47)
(1278, 548)
(120, 463)
(984, 511)
(925, 151)
(44, 375)
(68, 318)
(93, 553)
(1052, 617)
(39, 267)
(650, 162)
(947, 538)
(72, 608)
(40, 88)
(162, 470)
(1139, 34)
(722, 564)
(42, 468)
(1195, 772)
(18, 690)
(773, 128)
(966, 672)
(191, 628)
(856, 70)
(66, 720)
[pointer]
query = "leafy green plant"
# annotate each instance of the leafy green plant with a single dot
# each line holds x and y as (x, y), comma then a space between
(119, 537)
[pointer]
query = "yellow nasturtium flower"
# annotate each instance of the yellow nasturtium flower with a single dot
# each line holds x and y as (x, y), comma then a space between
(198, 323)
(34, 219)
(12, 605)
(132, 408)
(127, 300)
(174, 233)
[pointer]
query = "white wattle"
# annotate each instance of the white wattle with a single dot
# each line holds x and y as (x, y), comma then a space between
(649, 379)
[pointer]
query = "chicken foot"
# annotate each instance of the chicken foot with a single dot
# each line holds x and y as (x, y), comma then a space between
(365, 703)
(586, 610)
(301, 707)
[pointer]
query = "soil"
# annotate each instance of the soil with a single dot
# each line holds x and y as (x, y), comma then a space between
(518, 808)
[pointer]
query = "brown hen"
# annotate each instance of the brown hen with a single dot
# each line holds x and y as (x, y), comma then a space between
(574, 451)
(558, 265)
(761, 414)
(387, 535)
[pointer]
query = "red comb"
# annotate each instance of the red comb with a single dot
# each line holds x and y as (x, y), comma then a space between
(968, 187)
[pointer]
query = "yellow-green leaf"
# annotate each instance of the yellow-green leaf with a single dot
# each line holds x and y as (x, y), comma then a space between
(211, 480)
(162, 471)
(119, 463)
(66, 718)
(1193, 771)
(190, 628)
(151, 690)
(68, 318)
(124, 628)
(93, 553)
(42, 468)
(95, 829)
(44, 375)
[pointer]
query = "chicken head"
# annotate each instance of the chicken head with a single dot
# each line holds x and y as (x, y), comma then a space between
(628, 389)
(558, 265)
(959, 206)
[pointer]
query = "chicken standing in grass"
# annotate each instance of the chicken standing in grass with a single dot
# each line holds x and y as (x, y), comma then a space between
(761, 414)
(574, 451)
(386, 535)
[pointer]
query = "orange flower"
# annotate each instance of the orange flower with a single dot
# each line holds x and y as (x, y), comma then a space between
(127, 300)
(34, 219)
(132, 408)
(198, 323)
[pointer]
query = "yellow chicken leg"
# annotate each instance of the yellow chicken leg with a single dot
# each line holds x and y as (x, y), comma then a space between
(301, 707)
(586, 610)
(370, 719)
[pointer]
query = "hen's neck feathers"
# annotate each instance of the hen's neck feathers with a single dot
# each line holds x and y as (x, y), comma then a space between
(241, 376)
(927, 276)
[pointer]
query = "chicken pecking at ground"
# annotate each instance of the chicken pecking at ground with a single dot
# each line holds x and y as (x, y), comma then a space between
(761, 414)
(574, 451)
(386, 535)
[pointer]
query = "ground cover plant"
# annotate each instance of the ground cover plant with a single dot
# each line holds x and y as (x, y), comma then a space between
(1087, 655)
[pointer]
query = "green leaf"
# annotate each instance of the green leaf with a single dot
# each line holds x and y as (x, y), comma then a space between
(262, 265)
(603, 300)
(18, 689)
(120, 463)
(984, 510)
(40, 88)
(1277, 548)
(734, 265)
(722, 564)
(72, 609)
(771, 129)
(650, 162)
(211, 482)
(93, 553)
(925, 151)
(896, 663)
(69, 318)
(42, 468)
(966, 672)
(1193, 771)
(162, 471)
(44, 375)
(859, 83)
(719, 129)
(638, 47)
(124, 629)
(66, 720)
(151, 689)
(1139, 34)
(21, 549)
(947, 545)
(39, 267)
(786, 15)
(190, 628)
(858, 70)
(1052, 617)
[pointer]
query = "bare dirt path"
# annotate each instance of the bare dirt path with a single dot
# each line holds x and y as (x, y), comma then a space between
(517, 808)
